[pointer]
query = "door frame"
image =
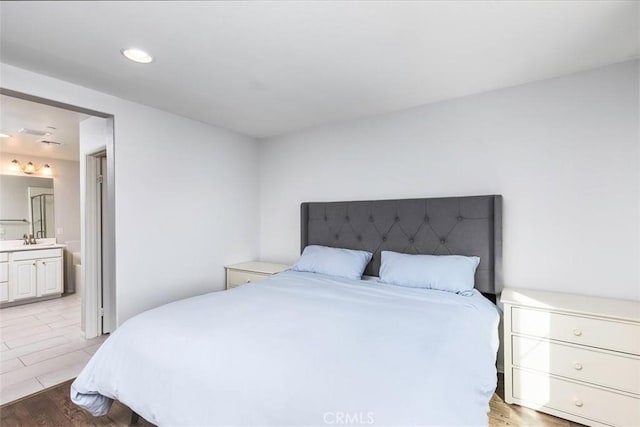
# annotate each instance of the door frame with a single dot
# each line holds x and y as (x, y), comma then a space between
(90, 317)
(99, 290)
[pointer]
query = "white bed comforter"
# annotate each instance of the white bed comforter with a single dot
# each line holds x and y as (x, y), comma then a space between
(302, 349)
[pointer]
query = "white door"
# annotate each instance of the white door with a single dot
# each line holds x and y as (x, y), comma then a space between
(23, 280)
(49, 276)
(106, 296)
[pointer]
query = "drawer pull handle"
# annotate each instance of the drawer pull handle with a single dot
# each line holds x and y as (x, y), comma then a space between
(578, 403)
(577, 366)
(248, 281)
(577, 332)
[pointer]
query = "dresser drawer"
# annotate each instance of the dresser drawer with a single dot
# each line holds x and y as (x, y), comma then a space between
(4, 271)
(605, 369)
(598, 333)
(235, 277)
(577, 399)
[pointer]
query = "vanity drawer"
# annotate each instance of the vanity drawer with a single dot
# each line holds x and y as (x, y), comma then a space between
(598, 333)
(4, 292)
(36, 254)
(4, 257)
(4, 271)
(236, 278)
(605, 369)
(577, 399)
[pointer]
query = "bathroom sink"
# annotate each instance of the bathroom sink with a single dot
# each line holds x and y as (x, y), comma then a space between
(10, 244)
(18, 245)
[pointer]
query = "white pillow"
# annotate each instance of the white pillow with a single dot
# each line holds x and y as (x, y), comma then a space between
(338, 262)
(453, 273)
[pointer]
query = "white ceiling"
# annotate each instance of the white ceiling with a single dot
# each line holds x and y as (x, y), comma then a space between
(266, 68)
(17, 113)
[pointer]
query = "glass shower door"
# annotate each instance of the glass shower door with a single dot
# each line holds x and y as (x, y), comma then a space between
(42, 216)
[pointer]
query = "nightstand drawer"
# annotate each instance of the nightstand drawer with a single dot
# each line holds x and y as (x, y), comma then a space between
(236, 278)
(598, 333)
(584, 401)
(605, 369)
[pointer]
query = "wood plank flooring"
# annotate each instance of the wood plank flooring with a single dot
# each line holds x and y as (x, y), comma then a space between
(41, 345)
(502, 414)
(53, 407)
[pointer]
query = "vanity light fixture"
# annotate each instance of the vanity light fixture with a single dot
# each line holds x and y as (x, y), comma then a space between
(5, 135)
(30, 168)
(137, 55)
(15, 166)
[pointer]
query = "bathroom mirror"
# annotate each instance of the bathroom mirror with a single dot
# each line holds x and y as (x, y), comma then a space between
(26, 207)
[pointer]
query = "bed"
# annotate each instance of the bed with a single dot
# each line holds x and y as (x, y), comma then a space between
(310, 349)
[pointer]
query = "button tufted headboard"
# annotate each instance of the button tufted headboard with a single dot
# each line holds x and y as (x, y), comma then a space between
(438, 226)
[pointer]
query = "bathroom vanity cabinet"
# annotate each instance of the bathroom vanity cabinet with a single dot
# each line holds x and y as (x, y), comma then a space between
(4, 277)
(33, 274)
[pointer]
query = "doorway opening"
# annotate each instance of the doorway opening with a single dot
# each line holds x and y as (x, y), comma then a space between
(56, 308)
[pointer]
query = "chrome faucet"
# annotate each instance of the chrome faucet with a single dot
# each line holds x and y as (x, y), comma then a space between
(28, 239)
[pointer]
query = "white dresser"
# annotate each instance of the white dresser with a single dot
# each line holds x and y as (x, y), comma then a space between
(572, 356)
(251, 272)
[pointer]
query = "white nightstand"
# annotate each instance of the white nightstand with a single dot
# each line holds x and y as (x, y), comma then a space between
(573, 356)
(251, 272)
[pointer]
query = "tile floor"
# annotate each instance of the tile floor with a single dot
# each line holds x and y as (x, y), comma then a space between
(41, 345)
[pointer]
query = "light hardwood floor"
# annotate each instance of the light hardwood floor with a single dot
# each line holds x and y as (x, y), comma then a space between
(41, 345)
(503, 415)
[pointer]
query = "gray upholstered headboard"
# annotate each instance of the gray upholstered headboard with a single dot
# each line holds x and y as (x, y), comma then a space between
(438, 226)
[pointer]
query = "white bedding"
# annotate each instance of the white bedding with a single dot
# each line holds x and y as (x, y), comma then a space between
(302, 349)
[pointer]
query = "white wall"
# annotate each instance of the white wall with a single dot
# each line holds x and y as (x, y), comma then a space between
(564, 153)
(186, 195)
(66, 188)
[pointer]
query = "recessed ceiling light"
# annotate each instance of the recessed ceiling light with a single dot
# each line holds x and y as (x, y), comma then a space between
(137, 55)
(4, 135)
